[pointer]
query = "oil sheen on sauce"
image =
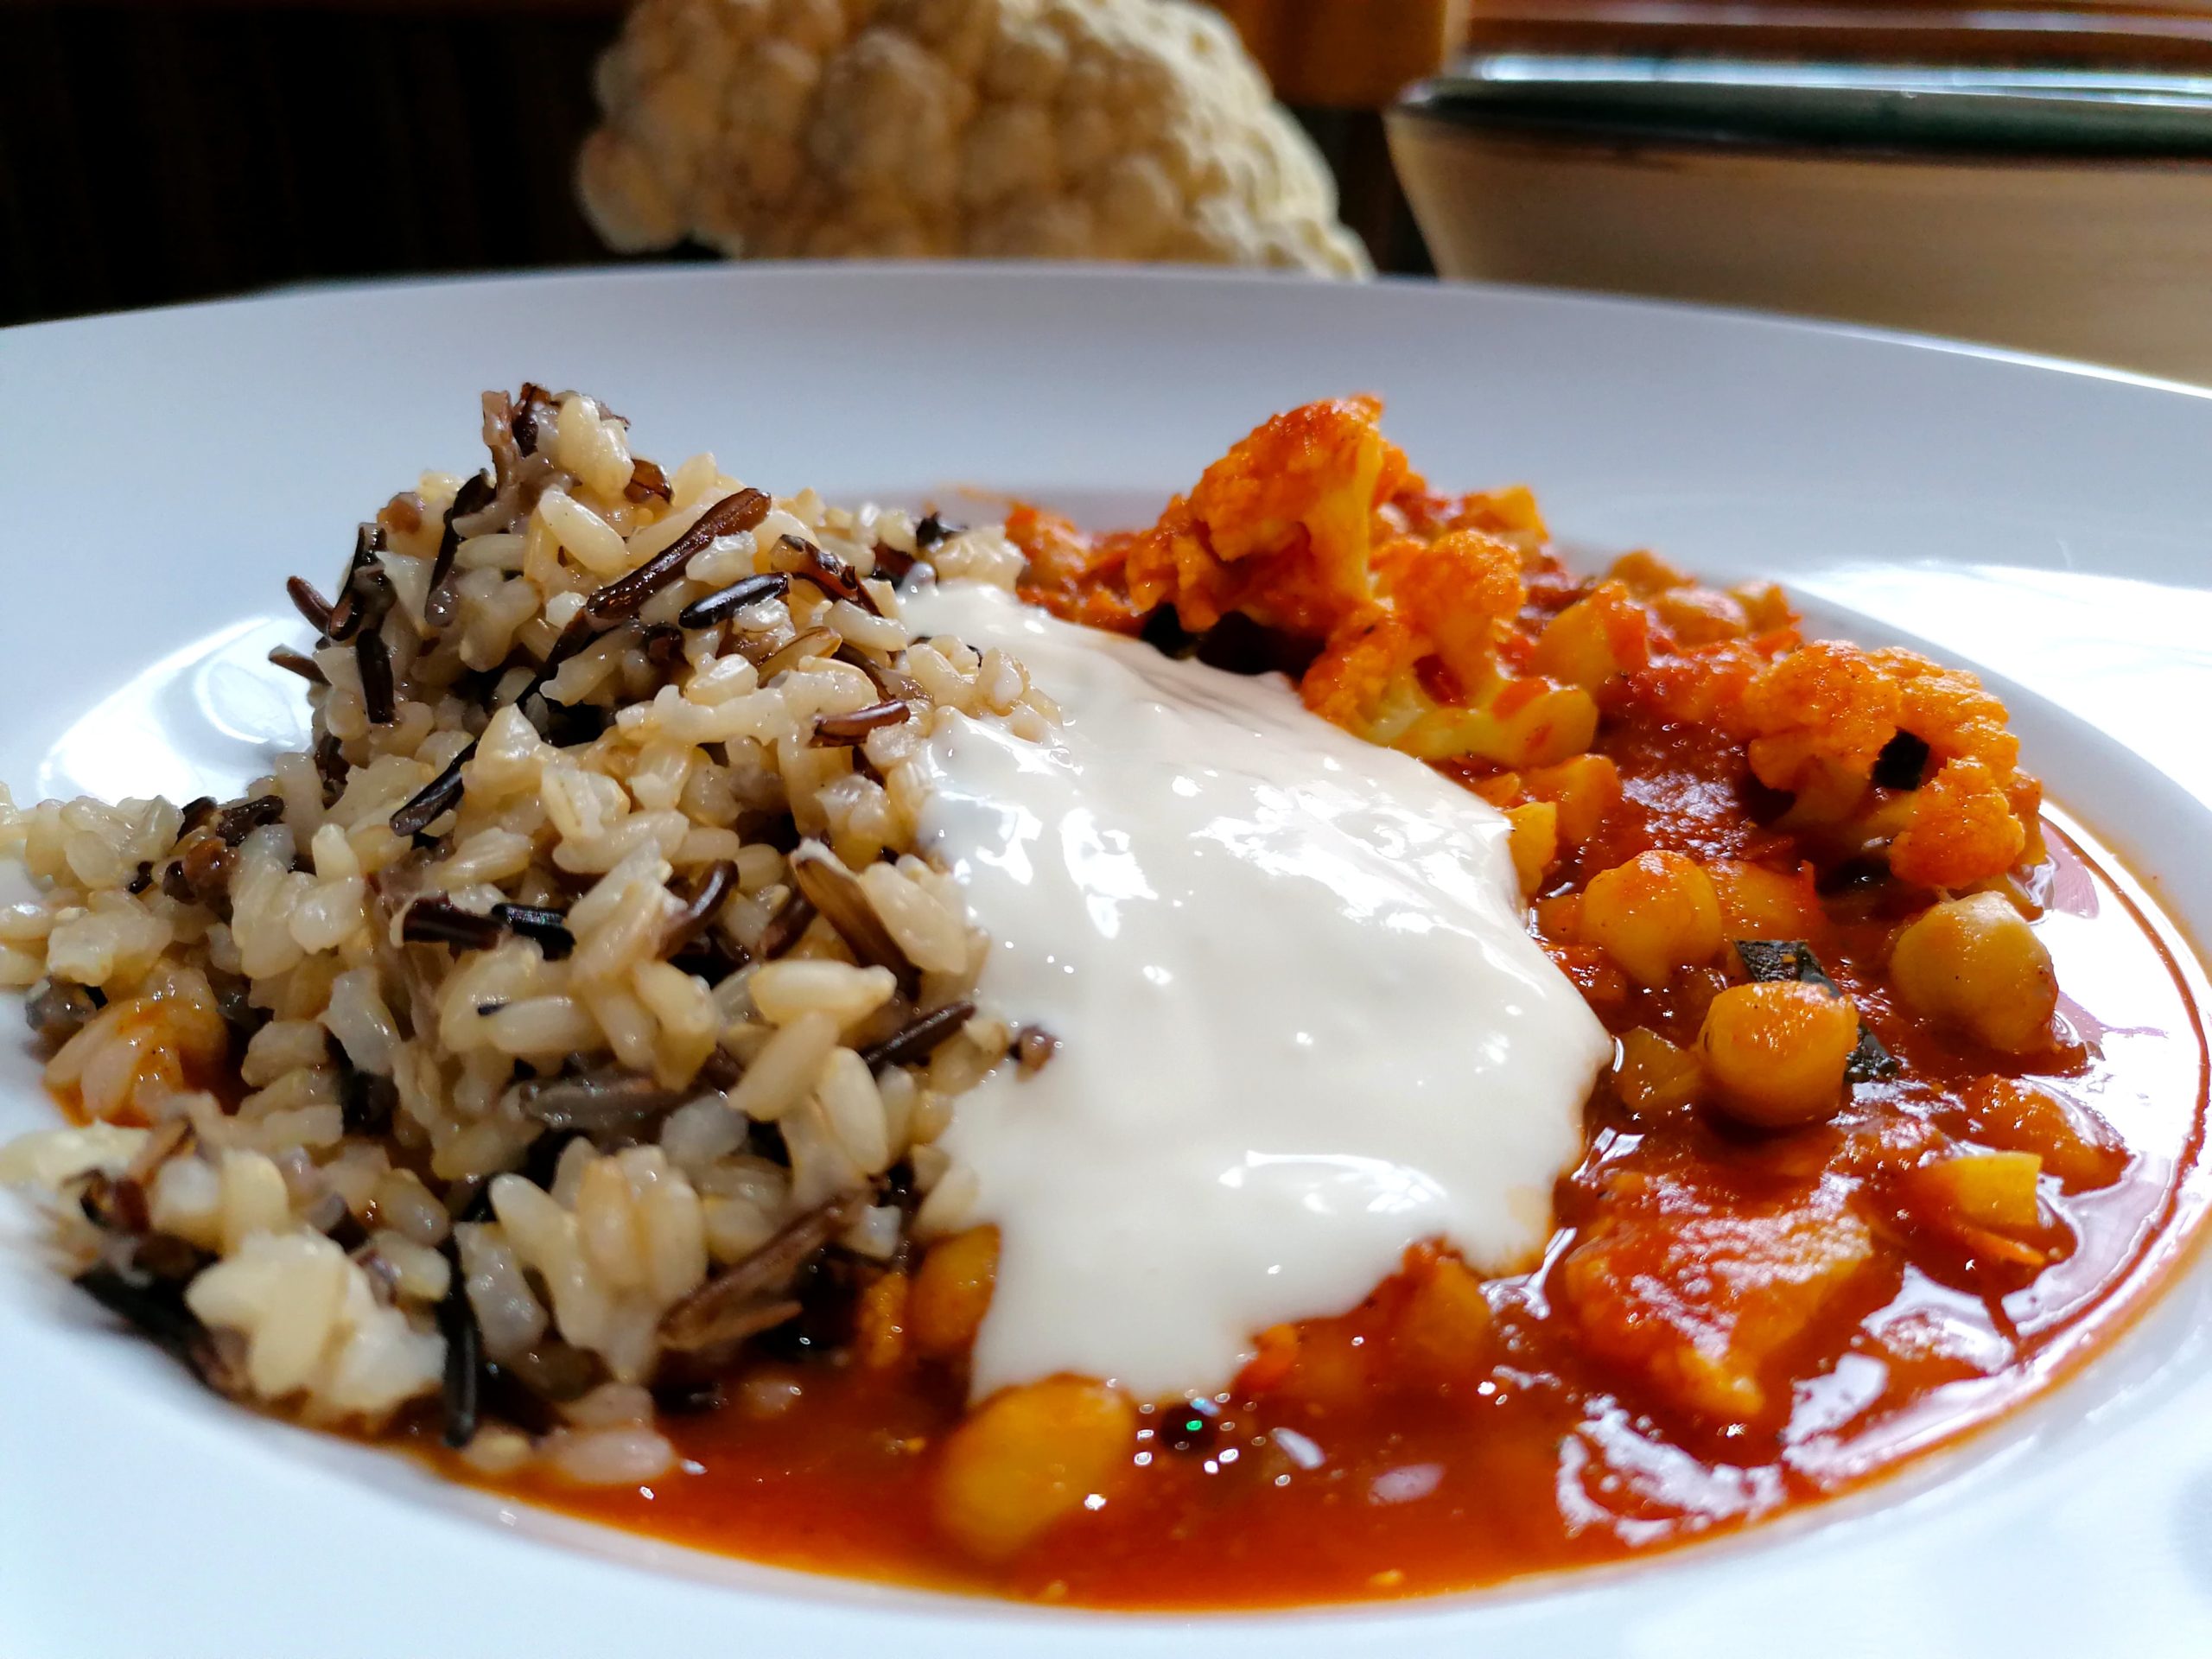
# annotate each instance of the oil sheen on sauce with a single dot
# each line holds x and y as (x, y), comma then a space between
(1302, 1023)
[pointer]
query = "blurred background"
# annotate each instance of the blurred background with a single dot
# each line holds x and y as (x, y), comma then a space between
(2036, 174)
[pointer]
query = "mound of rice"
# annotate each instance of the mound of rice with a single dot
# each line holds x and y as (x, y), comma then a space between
(519, 1045)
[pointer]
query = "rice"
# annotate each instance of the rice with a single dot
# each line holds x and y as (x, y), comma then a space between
(581, 970)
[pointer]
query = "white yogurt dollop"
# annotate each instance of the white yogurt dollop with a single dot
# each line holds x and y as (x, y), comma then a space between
(1302, 1025)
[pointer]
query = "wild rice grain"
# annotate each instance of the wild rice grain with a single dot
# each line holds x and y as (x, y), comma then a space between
(824, 569)
(440, 602)
(310, 604)
(919, 1038)
(834, 730)
(647, 483)
(359, 602)
(294, 662)
(832, 890)
(547, 928)
(373, 658)
(786, 926)
(435, 920)
(622, 597)
(464, 1365)
(435, 798)
(1033, 1047)
(721, 607)
(235, 823)
(815, 642)
(158, 1311)
(716, 884)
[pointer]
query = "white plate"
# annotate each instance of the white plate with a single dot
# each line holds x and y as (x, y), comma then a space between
(161, 474)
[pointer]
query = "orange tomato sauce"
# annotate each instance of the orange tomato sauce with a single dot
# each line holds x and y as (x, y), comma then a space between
(1728, 1322)
(1358, 1471)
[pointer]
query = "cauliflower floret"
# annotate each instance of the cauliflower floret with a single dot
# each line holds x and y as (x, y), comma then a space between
(1948, 710)
(1962, 830)
(1280, 528)
(1822, 705)
(1370, 681)
(1298, 527)
(1461, 591)
(1822, 714)
(1055, 129)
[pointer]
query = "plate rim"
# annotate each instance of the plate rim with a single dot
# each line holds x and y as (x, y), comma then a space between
(1509, 1606)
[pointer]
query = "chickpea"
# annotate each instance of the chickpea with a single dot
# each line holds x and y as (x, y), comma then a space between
(1775, 1052)
(1975, 964)
(1029, 1456)
(1652, 915)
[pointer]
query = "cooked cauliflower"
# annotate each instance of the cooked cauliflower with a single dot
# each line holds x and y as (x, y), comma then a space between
(1289, 529)
(1035, 129)
(1445, 626)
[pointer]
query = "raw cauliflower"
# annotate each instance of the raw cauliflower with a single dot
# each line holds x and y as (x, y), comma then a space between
(1017, 129)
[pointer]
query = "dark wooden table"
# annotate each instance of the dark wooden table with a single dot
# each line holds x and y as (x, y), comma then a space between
(171, 150)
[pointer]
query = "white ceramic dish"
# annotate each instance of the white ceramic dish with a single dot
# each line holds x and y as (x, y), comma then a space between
(161, 474)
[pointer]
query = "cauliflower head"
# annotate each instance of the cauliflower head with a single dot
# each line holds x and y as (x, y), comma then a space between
(1133, 130)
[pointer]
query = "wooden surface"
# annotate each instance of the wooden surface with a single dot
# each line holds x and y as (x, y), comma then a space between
(1332, 53)
(2163, 34)
(1347, 54)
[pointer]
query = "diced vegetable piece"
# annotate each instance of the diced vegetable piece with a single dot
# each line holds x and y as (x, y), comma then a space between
(1776, 1051)
(1584, 789)
(1699, 616)
(1975, 964)
(1995, 1189)
(881, 1337)
(2075, 1144)
(1534, 841)
(1597, 638)
(1444, 1329)
(1276, 1352)
(1765, 606)
(952, 1291)
(1646, 573)
(1028, 1457)
(1330, 1367)
(1701, 1304)
(1654, 1077)
(1652, 915)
